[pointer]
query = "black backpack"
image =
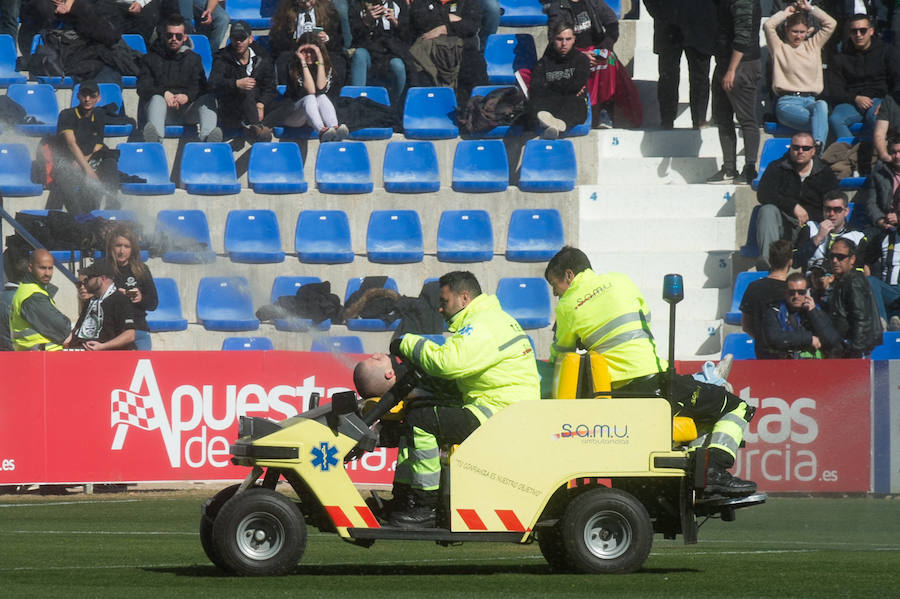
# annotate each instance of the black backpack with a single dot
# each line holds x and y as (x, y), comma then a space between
(502, 106)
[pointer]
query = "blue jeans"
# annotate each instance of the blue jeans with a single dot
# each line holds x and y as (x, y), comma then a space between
(886, 296)
(343, 11)
(490, 19)
(362, 62)
(804, 113)
(215, 31)
(142, 340)
(845, 115)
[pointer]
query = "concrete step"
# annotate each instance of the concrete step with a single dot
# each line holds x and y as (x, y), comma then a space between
(631, 143)
(699, 269)
(694, 339)
(612, 201)
(659, 170)
(658, 234)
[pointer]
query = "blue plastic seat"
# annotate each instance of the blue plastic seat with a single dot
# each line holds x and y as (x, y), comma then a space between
(276, 168)
(772, 150)
(257, 13)
(369, 324)
(187, 233)
(64, 82)
(507, 53)
(344, 344)
(522, 13)
(394, 237)
(110, 93)
(225, 304)
(411, 167)
(15, 171)
(548, 166)
(288, 286)
(8, 73)
(534, 235)
(147, 161)
(852, 182)
(136, 43)
(582, 129)
(889, 348)
(480, 166)
(734, 316)
(168, 315)
(253, 236)
(343, 167)
(116, 215)
(377, 94)
(247, 344)
(501, 130)
(202, 47)
(527, 299)
(323, 237)
(740, 345)
(39, 101)
(465, 236)
(430, 113)
(208, 169)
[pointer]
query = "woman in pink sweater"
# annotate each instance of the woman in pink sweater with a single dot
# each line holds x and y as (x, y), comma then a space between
(797, 77)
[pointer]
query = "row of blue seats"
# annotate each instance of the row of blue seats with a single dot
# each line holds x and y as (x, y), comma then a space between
(742, 347)
(341, 168)
(226, 304)
(323, 236)
(337, 344)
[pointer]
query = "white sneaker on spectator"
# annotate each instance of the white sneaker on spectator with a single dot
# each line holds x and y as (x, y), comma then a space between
(329, 134)
(214, 136)
(342, 132)
(150, 133)
(550, 125)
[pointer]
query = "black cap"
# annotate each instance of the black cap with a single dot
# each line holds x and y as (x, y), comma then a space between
(98, 268)
(240, 30)
(89, 87)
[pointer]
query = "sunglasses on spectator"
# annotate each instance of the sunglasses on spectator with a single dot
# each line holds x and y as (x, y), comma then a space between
(81, 283)
(797, 291)
(859, 30)
(838, 257)
(834, 209)
(797, 148)
(177, 36)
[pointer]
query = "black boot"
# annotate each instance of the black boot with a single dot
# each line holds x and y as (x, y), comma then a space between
(721, 482)
(420, 513)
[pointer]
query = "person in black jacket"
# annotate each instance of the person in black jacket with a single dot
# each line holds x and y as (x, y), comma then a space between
(852, 304)
(133, 279)
(381, 37)
(172, 85)
(791, 192)
(878, 193)
(243, 79)
(795, 327)
(556, 94)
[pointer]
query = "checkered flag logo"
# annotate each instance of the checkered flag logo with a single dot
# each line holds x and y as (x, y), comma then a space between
(132, 409)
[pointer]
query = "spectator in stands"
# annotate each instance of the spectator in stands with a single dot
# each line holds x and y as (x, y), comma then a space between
(859, 76)
(688, 27)
(887, 123)
(596, 28)
(797, 77)
(108, 321)
(437, 27)
(310, 77)
(132, 16)
(791, 192)
(852, 305)
(292, 19)
(490, 20)
(557, 94)
(35, 323)
(243, 79)
(207, 17)
(881, 191)
(795, 327)
(172, 85)
(815, 238)
(15, 268)
(9, 17)
(762, 292)
(381, 37)
(734, 85)
(132, 277)
(84, 296)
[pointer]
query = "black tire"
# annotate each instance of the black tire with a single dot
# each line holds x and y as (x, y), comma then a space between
(260, 533)
(606, 531)
(208, 514)
(550, 541)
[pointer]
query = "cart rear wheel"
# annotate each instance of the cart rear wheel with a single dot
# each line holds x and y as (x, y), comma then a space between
(208, 514)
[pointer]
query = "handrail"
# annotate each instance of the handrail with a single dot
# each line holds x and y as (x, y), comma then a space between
(33, 242)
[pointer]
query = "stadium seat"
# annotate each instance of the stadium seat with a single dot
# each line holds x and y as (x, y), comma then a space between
(253, 236)
(61, 255)
(110, 93)
(480, 166)
(500, 131)
(343, 167)
(323, 237)
(187, 233)
(368, 324)
(548, 166)
(257, 13)
(8, 55)
(39, 102)
(394, 237)
(527, 299)
(147, 161)
(740, 345)
(507, 53)
(773, 149)
(115, 215)
(294, 133)
(734, 316)
(208, 169)
(225, 304)
(346, 344)
(751, 248)
(582, 129)
(465, 236)
(64, 82)
(136, 43)
(411, 167)
(430, 113)
(521, 13)
(167, 316)
(534, 235)
(889, 348)
(616, 6)
(276, 168)
(202, 47)
(852, 182)
(376, 94)
(15, 171)
(288, 286)
(247, 343)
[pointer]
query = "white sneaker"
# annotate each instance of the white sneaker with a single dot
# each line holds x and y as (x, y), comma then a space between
(550, 125)
(151, 135)
(342, 132)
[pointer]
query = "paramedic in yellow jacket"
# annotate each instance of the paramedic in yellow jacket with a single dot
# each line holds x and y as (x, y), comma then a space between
(607, 313)
(492, 363)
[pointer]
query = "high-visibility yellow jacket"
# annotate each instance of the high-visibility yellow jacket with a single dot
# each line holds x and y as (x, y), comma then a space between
(488, 355)
(24, 336)
(608, 314)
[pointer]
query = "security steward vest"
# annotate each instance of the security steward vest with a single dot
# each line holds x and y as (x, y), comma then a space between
(607, 313)
(24, 337)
